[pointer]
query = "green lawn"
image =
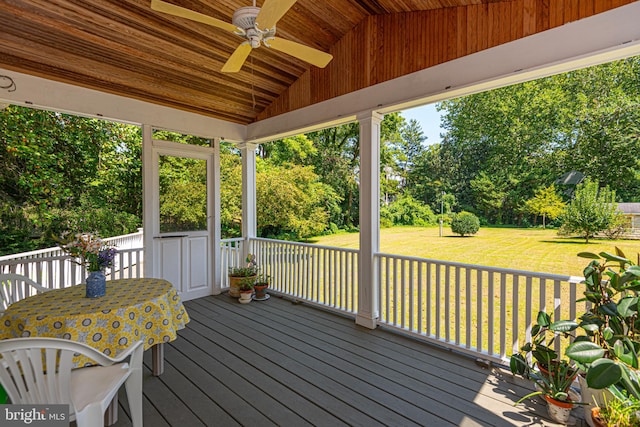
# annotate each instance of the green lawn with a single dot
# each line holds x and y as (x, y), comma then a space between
(522, 249)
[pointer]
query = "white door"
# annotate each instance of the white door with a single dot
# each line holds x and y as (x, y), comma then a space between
(179, 214)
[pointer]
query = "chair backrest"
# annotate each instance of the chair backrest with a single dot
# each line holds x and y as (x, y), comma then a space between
(14, 287)
(38, 370)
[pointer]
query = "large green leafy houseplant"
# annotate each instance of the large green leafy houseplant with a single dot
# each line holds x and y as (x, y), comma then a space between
(608, 350)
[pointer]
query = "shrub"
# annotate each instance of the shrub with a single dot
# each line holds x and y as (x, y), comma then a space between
(465, 223)
(408, 211)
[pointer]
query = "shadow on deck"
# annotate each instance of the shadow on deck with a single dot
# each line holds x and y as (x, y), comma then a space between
(278, 363)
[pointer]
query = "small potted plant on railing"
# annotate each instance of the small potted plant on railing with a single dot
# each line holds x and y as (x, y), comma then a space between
(260, 287)
(245, 288)
(240, 274)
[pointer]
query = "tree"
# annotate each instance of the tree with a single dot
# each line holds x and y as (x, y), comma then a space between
(527, 135)
(60, 172)
(489, 195)
(291, 202)
(408, 211)
(464, 223)
(592, 210)
(546, 203)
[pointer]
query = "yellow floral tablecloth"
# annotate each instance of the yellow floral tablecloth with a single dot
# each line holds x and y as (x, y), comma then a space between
(132, 309)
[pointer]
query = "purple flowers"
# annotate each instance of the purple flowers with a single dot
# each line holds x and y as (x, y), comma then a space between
(106, 257)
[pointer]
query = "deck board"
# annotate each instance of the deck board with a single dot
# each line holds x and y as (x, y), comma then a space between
(279, 363)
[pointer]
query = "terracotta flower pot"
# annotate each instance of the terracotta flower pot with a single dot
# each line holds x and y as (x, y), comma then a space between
(261, 292)
(595, 417)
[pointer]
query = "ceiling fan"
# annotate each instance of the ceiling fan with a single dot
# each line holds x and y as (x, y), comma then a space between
(257, 26)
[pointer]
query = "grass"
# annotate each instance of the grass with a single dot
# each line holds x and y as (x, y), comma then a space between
(529, 249)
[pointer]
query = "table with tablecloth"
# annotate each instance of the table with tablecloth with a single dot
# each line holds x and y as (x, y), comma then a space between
(145, 309)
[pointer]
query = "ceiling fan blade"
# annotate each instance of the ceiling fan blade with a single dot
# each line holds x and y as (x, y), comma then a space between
(237, 58)
(172, 9)
(308, 54)
(271, 12)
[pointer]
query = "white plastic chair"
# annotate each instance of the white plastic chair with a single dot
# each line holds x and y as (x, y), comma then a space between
(39, 371)
(14, 287)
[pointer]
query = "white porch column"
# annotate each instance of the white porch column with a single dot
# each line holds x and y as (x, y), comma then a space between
(148, 205)
(215, 217)
(369, 218)
(249, 218)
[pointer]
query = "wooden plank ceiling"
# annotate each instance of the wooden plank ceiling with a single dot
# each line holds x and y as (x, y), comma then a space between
(123, 47)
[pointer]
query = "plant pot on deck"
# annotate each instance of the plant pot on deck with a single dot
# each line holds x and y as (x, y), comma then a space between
(558, 411)
(261, 291)
(245, 297)
(234, 284)
(594, 419)
(590, 397)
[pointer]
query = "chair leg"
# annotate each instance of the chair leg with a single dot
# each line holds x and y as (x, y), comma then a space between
(91, 416)
(133, 385)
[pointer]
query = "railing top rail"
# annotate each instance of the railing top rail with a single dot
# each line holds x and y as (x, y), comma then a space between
(44, 251)
(20, 261)
(32, 261)
(233, 239)
(29, 254)
(124, 236)
(310, 245)
(547, 276)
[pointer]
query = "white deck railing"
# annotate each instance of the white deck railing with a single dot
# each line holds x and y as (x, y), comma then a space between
(321, 275)
(480, 310)
(484, 311)
(53, 268)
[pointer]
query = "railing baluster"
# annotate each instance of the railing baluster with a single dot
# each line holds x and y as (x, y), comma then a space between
(447, 303)
(490, 313)
(437, 284)
(429, 300)
(420, 297)
(479, 321)
(514, 325)
(457, 311)
(468, 306)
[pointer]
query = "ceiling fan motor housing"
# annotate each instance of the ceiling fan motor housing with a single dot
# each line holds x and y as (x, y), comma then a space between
(245, 17)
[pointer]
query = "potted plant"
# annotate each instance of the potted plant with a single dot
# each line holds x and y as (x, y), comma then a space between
(607, 351)
(539, 351)
(240, 274)
(245, 288)
(552, 374)
(260, 287)
(618, 412)
(554, 386)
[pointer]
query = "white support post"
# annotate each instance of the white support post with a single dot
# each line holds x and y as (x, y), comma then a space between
(147, 197)
(249, 217)
(215, 217)
(368, 284)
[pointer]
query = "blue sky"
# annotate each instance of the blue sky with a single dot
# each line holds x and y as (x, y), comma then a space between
(429, 120)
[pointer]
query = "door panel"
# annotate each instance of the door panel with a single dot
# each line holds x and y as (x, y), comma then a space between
(181, 216)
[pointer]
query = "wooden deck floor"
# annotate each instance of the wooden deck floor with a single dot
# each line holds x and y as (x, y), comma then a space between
(279, 363)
